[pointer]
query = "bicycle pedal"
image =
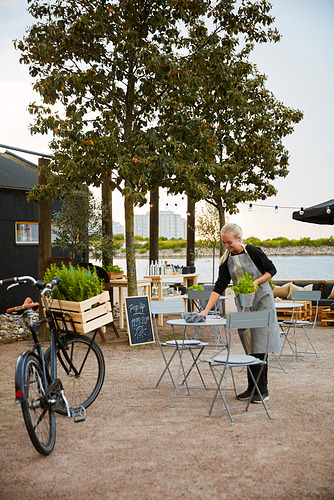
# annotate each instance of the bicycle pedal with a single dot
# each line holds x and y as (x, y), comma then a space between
(78, 413)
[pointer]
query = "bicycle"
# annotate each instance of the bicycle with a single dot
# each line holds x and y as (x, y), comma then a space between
(77, 357)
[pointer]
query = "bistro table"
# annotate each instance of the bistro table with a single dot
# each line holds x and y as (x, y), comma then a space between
(192, 346)
(292, 345)
(159, 279)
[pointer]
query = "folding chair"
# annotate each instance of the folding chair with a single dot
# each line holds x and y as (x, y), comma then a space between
(222, 364)
(200, 299)
(297, 296)
(172, 307)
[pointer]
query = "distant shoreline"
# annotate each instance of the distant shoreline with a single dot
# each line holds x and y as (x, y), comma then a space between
(296, 250)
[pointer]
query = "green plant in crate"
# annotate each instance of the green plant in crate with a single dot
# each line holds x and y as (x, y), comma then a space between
(196, 287)
(245, 285)
(113, 268)
(77, 284)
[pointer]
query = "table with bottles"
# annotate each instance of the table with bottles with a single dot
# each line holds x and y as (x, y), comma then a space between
(161, 289)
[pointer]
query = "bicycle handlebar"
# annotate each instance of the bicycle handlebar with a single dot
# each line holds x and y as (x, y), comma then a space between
(45, 288)
(18, 280)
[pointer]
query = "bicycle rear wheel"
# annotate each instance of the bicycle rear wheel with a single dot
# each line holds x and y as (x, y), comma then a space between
(82, 385)
(40, 422)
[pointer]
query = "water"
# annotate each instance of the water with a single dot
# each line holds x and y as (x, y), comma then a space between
(296, 267)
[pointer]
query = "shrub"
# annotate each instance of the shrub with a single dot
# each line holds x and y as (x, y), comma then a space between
(77, 283)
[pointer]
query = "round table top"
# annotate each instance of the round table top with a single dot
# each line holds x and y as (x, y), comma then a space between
(287, 305)
(208, 322)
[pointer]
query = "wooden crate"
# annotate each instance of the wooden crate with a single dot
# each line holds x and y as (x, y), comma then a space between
(86, 318)
(303, 313)
(327, 317)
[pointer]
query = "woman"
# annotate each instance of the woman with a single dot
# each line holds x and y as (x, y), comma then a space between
(238, 259)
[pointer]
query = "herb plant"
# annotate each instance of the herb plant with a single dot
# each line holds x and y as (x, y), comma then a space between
(245, 285)
(77, 283)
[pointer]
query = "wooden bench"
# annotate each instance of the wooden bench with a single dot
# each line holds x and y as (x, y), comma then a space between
(303, 313)
(327, 317)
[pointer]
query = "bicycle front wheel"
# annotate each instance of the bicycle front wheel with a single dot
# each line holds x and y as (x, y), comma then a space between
(40, 422)
(81, 368)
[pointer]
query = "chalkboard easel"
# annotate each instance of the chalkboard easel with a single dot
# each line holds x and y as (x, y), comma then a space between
(139, 321)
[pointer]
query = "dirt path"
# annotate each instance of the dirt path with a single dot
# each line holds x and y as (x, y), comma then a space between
(134, 445)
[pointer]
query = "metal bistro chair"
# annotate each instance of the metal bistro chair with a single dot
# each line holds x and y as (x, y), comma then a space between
(222, 364)
(297, 296)
(172, 307)
(200, 299)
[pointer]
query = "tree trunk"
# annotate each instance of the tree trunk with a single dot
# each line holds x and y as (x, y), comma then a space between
(130, 245)
(190, 232)
(221, 212)
(154, 226)
(44, 239)
(213, 261)
(106, 195)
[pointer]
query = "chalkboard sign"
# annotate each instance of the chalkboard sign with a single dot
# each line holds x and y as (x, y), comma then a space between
(138, 316)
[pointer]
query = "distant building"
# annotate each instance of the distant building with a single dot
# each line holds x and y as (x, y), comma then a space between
(117, 228)
(171, 225)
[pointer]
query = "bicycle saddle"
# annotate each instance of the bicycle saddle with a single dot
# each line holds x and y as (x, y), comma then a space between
(27, 304)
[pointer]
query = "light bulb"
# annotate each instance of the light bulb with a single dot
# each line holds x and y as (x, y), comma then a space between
(250, 207)
(328, 211)
(301, 211)
(276, 209)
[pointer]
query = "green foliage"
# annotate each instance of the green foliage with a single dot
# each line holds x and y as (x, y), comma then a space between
(196, 287)
(282, 242)
(245, 285)
(112, 268)
(77, 283)
(79, 223)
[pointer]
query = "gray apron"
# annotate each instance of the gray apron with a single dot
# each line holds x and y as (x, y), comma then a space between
(254, 340)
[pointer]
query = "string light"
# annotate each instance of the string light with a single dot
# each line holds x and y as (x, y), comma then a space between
(301, 211)
(328, 211)
(250, 208)
(276, 209)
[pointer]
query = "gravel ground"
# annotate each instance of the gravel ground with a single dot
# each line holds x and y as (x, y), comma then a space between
(133, 444)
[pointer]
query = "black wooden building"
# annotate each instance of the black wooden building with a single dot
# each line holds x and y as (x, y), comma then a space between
(18, 227)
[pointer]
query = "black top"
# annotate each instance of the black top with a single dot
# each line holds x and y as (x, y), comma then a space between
(259, 258)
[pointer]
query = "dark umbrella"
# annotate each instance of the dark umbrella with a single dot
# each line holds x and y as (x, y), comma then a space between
(319, 214)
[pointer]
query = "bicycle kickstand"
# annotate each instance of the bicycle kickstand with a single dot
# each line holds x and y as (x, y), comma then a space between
(78, 413)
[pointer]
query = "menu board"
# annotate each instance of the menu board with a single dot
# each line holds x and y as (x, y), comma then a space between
(139, 321)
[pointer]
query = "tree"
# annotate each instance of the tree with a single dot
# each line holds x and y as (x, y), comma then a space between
(245, 125)
(78, 226)
(208, 231)
(127, 79)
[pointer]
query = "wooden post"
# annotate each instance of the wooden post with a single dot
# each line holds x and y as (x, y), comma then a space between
(44, 236)
(190, 233)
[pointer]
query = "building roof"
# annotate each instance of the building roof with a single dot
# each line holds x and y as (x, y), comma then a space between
(16, 172)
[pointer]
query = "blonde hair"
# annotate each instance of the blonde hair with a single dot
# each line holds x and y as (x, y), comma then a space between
(233, 229)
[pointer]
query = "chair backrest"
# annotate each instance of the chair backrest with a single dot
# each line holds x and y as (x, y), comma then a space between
(313, 295)
(167, 307)
(199, 294)
(201, 297)
(306, 295)
(251, 319)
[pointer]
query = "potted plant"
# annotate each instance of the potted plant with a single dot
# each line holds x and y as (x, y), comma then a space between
(115, 272)
(196, 287)
(81, 295)
(245, 288)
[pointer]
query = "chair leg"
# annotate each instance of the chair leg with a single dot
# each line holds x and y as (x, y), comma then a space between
(218, 391)
(166, 368)
(309, 343)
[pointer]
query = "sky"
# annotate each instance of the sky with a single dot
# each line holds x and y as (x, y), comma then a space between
(300, 71)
